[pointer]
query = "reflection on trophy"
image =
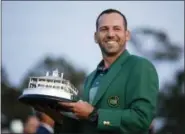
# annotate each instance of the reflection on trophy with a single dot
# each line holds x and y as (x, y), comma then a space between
(44, 93)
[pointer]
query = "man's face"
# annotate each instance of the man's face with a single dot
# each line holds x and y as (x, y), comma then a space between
(31, 125)
(111, 35)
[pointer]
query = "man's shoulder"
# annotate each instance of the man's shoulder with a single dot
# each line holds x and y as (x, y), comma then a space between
(88, 76)
(91, 73)
(140, 61)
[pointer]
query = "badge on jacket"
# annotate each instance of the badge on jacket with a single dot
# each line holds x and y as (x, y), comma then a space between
(113, 101)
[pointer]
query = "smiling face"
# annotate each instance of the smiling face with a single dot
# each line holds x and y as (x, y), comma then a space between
(111, 34)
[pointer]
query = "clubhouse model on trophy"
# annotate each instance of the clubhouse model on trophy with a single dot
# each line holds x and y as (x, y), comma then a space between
(44, 93)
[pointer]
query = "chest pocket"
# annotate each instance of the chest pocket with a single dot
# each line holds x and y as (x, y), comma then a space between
(114, 98)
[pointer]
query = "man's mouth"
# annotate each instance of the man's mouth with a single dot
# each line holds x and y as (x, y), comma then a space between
(111, 42)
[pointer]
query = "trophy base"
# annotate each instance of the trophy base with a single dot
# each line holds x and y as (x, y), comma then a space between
(48, 104)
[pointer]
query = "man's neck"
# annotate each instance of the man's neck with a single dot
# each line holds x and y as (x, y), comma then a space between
(108, 60)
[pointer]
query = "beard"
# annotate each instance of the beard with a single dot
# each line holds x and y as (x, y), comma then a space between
(111, 50)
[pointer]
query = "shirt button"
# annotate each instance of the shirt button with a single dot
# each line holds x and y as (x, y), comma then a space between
(97, 83)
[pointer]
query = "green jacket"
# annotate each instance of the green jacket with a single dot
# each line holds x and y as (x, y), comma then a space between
(126, 99)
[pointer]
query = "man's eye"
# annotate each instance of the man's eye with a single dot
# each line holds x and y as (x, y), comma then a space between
(103, 29)
(117, 29)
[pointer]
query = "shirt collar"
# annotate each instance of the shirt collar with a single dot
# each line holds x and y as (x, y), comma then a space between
(101, 66)
(121, 58)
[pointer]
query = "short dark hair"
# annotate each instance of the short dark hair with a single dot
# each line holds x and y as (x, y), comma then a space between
(109, 11)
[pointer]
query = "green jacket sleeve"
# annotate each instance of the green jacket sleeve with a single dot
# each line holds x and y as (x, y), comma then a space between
(141, 96)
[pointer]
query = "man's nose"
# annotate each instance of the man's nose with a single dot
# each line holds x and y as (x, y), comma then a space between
(110, 34)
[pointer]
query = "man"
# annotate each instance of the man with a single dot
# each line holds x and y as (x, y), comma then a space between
(46, 124)
(31, 125)
(120, 95)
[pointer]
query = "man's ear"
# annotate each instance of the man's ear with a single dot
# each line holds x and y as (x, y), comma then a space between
(95, 37)
(128, 35)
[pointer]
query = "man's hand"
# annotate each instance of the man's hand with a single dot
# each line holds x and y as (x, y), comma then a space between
(54, 114)
(81, 109)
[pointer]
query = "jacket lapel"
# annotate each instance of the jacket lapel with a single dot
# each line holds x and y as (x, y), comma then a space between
(110, 76)
(88, 86)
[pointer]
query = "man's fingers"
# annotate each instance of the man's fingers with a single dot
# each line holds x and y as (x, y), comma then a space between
(67, 104)
(80, 101)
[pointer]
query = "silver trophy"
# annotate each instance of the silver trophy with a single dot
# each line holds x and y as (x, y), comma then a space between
(44, 93)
